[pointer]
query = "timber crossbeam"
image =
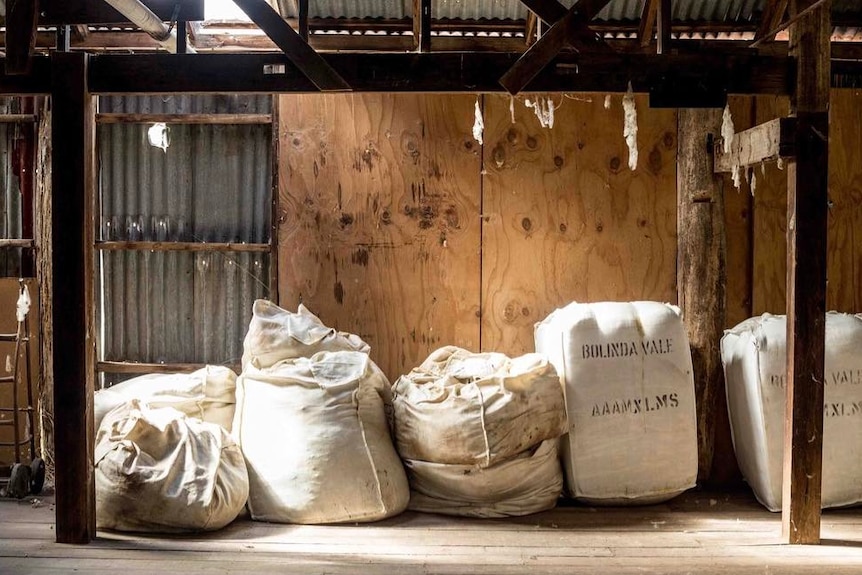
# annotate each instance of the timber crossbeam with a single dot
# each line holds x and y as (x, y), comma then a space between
(764, 143)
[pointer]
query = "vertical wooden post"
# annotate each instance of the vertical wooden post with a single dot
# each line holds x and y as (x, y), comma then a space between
(422, 25)
(806, 277)
(72, 140)
(701, 266)
(664, 23)
(303, 19)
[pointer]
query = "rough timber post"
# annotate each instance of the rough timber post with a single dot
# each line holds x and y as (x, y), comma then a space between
(701, 266)
(71, 262)
(806, 277)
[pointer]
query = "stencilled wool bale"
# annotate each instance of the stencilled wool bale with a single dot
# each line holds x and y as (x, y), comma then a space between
(208, 394)
(157, 470)
(476, 409)
(754, 358)
(316, 440)
(275, 334)
(627, 372)
(529, 482)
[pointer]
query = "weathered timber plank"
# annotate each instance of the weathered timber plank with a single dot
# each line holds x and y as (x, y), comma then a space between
(767, 142)
(701, 268)
(182, 246)
(564, 217)
(72, 273)
(117, 118)
(309, 62)
(379, 219)
(807, 198)
(437, 72)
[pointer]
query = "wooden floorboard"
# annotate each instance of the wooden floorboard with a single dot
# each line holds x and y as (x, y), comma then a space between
(699, 532)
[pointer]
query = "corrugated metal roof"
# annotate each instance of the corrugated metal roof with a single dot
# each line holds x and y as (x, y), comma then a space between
(212, 184)
(617, 10)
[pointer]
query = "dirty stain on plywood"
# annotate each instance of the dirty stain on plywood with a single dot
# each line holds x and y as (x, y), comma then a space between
(379, 219)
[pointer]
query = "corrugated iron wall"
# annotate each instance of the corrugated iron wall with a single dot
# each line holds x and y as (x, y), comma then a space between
(10, 191)
(212, 184)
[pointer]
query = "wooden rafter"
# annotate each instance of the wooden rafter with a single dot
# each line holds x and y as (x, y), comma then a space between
(21, 21)
(581, 37)
(294, 47)
(646, 26)
(540, 54)
(773, 14)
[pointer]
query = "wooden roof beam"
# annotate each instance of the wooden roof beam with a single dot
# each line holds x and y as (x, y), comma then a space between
(646, 26)
(294, 47)
(770, 19)
(21, 28)
(582, 38)
(540, 54)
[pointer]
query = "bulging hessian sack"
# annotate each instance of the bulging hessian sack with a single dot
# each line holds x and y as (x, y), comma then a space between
(316, 440)
(477, 409)
(208, 394)
(157, 470)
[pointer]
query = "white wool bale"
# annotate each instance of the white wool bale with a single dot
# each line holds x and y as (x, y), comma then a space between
(478, 409)
(629, 388)
(754, 358)
(316, 440)
(207, 394)
(275, 334)
(158, 470)
(527, 483)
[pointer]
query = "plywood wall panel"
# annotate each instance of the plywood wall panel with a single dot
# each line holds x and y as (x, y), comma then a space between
(379, 219)
(770, 220)
(738, 209)
(844, 290)
(845, 214)
(565, 219)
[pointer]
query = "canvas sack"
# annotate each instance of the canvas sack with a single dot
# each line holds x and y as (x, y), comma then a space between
(157, 470)
(476, 409)
(316, 440)
(527, 483)
(627, 372)
(207, 394)
(754, 358)
(275, 334)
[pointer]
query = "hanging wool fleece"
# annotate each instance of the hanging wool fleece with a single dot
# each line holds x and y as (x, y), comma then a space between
(157, 470)
(478, 432)
(754, 358)
(313, 429)
(627, 372)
